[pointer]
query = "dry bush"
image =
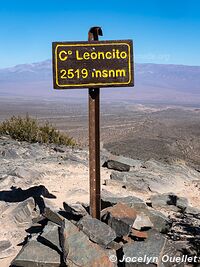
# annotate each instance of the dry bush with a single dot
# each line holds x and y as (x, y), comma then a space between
(28, 129)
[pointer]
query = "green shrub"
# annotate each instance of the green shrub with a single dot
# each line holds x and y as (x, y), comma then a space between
(28, 129)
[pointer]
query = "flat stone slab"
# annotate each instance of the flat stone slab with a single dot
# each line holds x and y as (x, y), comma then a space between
(24, 173)
(169, 201)
(82, 252)
(35, 254)
(97, 231)
(50, 236)
(146, 253)
(116, 165)
(129, 161)
(108, 200)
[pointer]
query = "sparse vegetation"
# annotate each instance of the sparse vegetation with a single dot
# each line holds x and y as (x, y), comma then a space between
(28, 129)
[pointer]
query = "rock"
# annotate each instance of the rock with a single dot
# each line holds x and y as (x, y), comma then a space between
(114, 245)
(97, 231)
(145, 253)
(75, 209)
(36, 254)
(131, 180)
(59, 149)
(127, 161)
(75, 159)
(193, 211)
(160, 222)
(121, 218)
(89, 254)
(160, 200)
(50, 236)
(10, 154)
(182, 203)
(108, 199)
(115, 165)
(139, 234)
(27, 174)
(142, 221)
(169, 201)
(24, 212)
(6, 249)
(170, 251)
(53, 216)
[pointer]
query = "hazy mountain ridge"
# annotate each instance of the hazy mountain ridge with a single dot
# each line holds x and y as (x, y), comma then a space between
(153, 82)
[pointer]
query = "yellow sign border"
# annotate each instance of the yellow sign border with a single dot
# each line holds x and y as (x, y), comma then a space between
(92, 84)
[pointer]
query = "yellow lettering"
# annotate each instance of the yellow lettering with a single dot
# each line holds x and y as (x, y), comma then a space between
(121, 73)
(117, 54)
(64, 57)
(104, 73)
(101, 55)
(123, 55)
(108, 55)
(111, 73)
(98, 73)
(86, 55)
(93, 55)
(77, 56)
(63, 74)
(114, 54)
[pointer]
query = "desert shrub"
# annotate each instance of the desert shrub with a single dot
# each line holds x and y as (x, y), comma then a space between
(28, 129)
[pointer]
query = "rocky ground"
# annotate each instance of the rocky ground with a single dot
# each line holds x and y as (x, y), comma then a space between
(149, 209)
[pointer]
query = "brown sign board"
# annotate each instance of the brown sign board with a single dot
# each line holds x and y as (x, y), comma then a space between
(93, 64)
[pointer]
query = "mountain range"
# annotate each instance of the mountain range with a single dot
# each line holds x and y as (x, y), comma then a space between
(163, 83)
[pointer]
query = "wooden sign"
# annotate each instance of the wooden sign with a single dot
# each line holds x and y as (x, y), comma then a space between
(93, 64)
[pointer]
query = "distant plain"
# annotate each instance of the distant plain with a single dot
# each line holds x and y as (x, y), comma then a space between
(141, 131)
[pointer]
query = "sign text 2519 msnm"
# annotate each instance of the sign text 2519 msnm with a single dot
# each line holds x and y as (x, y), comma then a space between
(93, 64)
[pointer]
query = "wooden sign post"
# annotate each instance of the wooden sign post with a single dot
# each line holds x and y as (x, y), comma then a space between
(92, 65)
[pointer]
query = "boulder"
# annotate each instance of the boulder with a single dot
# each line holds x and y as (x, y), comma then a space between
(75, 209)
(97, 231)
(59, 149)
(131, 180)
(182, 203)
(45, 250)
(24, 212)
(36, 254)
(160, 222)
(169, 201)
(108, 199)
(10, 153)
(50, 236)
(170, 251)
(193, 211)
(145, 253)
(116, 165)
(128, 161)
(120, 218)
(83, 252)
(27, 174)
